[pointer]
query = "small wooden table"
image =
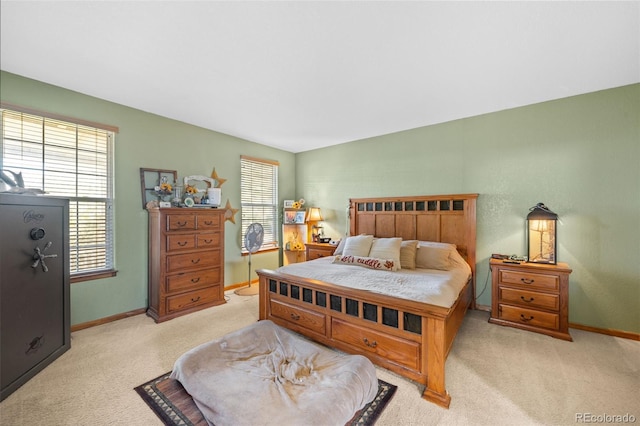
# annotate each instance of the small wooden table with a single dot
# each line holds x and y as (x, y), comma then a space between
(531, 296)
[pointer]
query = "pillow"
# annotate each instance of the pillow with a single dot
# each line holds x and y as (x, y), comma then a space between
(368, 262)
(358, 245)
(436, 244)
(408, 251)
(340, 247)
(431, 257)
(386, 248)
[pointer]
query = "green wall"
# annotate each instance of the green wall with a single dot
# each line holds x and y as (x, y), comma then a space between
(580, 156)
(151, 141)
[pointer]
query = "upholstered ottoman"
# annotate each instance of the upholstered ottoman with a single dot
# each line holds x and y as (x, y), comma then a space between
(265, 374)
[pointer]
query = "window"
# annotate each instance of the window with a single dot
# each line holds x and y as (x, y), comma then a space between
(259, 198)
(72, 160)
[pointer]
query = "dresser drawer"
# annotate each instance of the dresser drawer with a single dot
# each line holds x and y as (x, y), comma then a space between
(308, 319)
(208, 239)
(193, 280)
(202, 259)
(181, 222)
(525, 279)
(530, 298)
(208, 221)
(192, 299)
(181, 242)
(392, 348)
(529, 317)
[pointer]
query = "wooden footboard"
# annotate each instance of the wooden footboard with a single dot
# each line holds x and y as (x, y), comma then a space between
(410, 338)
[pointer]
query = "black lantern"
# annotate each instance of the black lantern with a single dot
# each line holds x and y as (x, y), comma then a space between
(541, 235)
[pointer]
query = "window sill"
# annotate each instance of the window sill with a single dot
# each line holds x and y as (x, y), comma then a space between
(246, 253)
(92, 276)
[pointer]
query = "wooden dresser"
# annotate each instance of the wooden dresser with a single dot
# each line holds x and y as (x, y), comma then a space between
(531, 296)
(316, 250)
(186, 261)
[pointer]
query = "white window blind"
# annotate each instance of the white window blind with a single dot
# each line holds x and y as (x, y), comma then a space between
(73, 161)
(259, 198)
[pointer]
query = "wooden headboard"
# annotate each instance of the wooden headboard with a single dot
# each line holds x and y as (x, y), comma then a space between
(443, 218)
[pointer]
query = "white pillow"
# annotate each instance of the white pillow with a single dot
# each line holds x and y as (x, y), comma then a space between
(431, 257)
(386, 248)
(368, 262)
(358, 245)
(436, 244)
(340, 247)
(408, 251)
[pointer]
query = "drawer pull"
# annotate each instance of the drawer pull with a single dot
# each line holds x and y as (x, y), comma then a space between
(295, 317)
(195, 299)
(208, 222)
(181, 223)
(182, 244)
(195, 261)
(525, 319)
(208, 241)
(529, 300)
(527, 280)
(370, 344)
(195, 280)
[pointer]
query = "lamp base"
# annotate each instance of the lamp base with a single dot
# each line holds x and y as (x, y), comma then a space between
(247, 291)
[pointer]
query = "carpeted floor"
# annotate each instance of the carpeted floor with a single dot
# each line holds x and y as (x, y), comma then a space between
(495, 375)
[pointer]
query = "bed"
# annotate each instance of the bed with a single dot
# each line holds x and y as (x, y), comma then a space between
(407, 335)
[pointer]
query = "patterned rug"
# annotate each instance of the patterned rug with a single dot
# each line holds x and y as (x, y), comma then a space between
(168, 399)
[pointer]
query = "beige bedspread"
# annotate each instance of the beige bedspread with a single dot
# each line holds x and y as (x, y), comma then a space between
(267, 375)
(440, 288)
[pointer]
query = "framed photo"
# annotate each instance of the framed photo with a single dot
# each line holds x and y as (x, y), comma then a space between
(290, 216)
(288, 204)
(150, 179)
(300, 215)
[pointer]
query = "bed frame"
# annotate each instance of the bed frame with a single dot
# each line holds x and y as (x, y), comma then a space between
(407, 337)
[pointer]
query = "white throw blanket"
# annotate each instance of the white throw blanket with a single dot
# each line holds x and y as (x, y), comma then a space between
(266, 375)
(440, 288)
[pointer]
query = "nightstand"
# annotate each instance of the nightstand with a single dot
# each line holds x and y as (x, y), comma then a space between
(316, 250)
(531, 296)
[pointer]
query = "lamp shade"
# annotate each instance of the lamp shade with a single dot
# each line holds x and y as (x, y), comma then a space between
(314, 215)
(541, 235)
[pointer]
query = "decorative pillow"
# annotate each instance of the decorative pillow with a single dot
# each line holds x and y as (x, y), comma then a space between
(368, 262)
(358, 245)
(436, 244)
(386, 248)
(408, 251)
(430, 257)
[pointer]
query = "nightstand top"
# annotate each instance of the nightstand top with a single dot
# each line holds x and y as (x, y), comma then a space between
(560, 266)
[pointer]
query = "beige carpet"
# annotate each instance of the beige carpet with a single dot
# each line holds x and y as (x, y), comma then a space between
(495, 375)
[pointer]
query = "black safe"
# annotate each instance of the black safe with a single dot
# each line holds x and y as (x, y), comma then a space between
(34, 286)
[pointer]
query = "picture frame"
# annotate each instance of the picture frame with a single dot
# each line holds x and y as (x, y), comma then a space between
(290, 217)
(150, 179)
(288, 204)
(300, 216)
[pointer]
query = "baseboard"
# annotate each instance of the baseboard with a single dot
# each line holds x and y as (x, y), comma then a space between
(106, 320)
(239, 285)
(607, 331)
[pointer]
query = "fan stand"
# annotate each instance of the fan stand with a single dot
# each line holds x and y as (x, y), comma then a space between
(249, 290)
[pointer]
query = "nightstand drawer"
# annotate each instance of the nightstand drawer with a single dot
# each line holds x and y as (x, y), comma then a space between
(530, 298)
(529, 317)
(316, 254)
(527, 279)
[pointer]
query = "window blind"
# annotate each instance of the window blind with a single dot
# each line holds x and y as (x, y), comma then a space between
(73, 161)
(259, 198)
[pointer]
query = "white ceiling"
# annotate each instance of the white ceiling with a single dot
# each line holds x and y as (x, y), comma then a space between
(307, 74)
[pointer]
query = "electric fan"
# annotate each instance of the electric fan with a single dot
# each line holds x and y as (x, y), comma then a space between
(252, 241)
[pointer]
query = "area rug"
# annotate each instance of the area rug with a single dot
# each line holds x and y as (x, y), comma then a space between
(168, 399)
